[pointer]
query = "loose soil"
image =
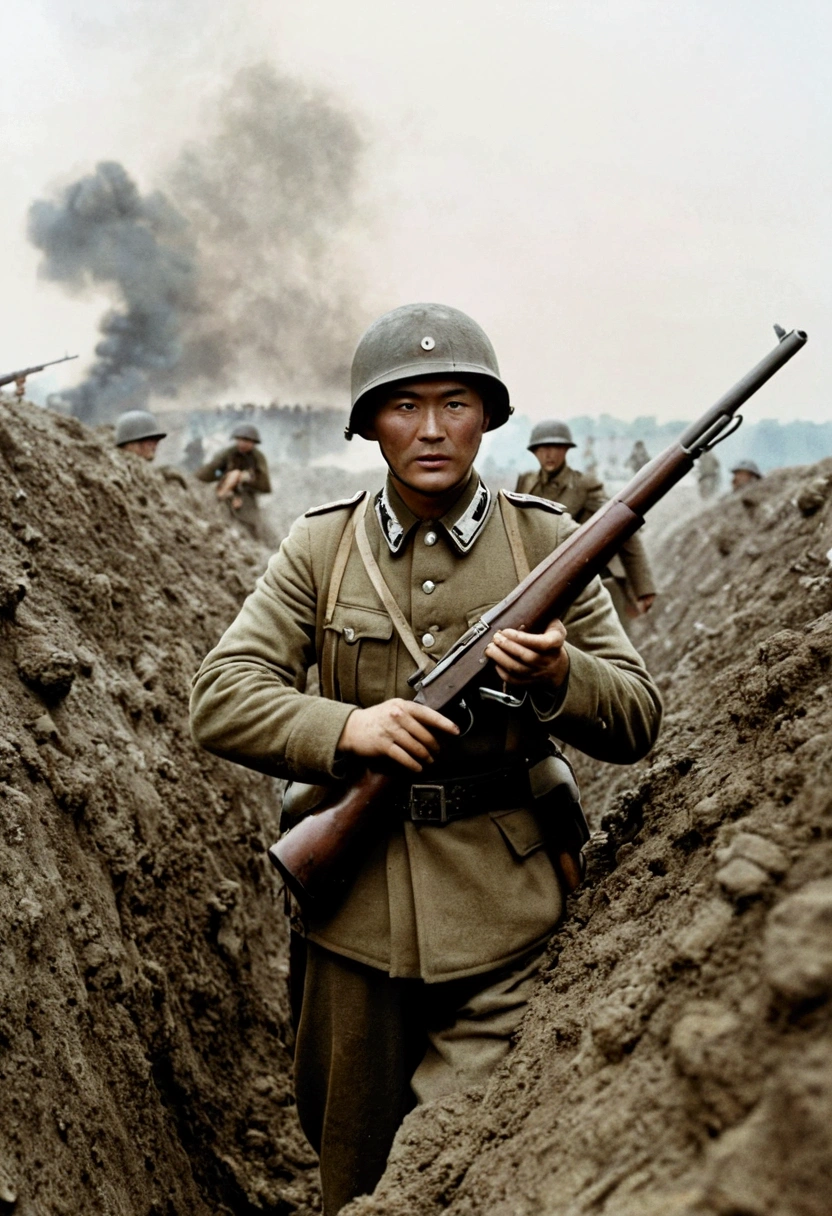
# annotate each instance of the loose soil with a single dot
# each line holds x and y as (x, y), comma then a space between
(677, 1059)
(143, 1007)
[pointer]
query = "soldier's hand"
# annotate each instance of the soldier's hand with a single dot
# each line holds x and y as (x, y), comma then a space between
(398, 730)
(644, 603)
(531, 658)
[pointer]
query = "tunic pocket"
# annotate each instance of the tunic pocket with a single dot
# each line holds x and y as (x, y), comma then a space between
(363, 653)
(520, 830)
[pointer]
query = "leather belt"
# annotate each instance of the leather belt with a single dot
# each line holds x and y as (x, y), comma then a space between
(441, 802)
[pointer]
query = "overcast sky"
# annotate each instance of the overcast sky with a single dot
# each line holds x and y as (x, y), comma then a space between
(625, 193)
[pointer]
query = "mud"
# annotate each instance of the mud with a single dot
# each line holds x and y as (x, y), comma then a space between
(143, 1010)
(677, 1059)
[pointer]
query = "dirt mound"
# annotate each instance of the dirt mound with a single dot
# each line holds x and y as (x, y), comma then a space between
(677, 1059)
(143, 1013)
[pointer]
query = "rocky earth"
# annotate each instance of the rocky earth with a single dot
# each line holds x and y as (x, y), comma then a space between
(144, 1063)
(677, 1060)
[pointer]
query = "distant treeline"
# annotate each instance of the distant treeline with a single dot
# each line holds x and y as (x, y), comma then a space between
(296, 434)
(609, 441)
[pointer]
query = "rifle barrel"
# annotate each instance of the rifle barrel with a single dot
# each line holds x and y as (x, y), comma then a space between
(10, 377)
(728, 405)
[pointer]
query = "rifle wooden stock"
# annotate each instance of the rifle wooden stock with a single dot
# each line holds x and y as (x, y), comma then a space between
(318, 856)
(316, 863)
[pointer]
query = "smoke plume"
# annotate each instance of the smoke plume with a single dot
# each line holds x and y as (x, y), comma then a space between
(239, 272)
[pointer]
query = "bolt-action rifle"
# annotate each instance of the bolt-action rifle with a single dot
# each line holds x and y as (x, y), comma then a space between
(318, 857)
(19, 378)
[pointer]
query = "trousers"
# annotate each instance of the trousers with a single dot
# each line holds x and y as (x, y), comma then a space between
(369, 1048)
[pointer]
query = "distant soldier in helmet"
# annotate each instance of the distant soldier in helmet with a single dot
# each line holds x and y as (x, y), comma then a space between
(138, 432)
(638, 458)
(630, 579)
(241, 473)
(416, 981)
(743, 474)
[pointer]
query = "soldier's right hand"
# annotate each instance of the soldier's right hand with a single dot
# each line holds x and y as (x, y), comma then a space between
(400, 730)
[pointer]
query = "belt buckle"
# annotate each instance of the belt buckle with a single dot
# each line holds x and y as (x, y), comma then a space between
(427, 804)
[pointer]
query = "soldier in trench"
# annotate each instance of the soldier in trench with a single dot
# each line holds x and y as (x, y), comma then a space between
(138, 432)
(743, 474)
(415, 982)
(240, 473)
(629, 578)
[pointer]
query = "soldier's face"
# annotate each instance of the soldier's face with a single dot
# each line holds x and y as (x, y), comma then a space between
(146, 448)
(742, 478)
(244, 446)
(552, 456)
(429, 431)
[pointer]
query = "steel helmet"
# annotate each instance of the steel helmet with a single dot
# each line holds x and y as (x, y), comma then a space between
(246, 431)
(136, 425)
(551, 432)
(423, 340)
(746, 466)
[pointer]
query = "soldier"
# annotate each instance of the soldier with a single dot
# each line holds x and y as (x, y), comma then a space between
(241, 473)
(744, 473)
(416, 981)
(630, 579)
(708, 475)
(638, 458)
(138, 432)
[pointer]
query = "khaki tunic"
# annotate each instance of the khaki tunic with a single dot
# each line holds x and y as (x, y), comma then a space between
(430, 902)
(248, 513)
(583, 496)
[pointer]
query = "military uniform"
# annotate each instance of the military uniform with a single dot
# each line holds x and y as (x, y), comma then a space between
(253, 462)
(707, 475)
(630, 577)
(431, 954)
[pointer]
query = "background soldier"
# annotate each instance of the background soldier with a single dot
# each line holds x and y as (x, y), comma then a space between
(138, 432)
(638, 458)
(630, 580)
(241, 473)
(744, 473)
(417, 979)
(708, 474)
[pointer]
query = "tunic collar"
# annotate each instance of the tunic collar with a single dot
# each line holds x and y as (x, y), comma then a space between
(462, 524)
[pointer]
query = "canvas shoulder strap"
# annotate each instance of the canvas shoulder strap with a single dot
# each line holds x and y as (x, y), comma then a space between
(423, 661)
(515, 540)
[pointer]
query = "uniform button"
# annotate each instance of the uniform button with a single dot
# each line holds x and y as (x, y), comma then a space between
(349, 634)
(431, 538)
(428, 639)
(428, 586)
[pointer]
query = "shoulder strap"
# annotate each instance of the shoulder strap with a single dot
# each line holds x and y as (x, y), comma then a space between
(423, 661)
(342, 555)
(515, 540)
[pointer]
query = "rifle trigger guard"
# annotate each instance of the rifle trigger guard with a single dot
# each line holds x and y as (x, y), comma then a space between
(502, 698)
(465, 708)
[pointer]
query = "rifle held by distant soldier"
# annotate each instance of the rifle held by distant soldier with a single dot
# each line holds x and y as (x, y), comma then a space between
(19, 378)
(318, 857)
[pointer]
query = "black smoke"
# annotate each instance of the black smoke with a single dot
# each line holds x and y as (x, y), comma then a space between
(239, 272)
(101, 230)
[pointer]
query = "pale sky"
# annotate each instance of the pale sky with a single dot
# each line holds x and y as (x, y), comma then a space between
(626, 194)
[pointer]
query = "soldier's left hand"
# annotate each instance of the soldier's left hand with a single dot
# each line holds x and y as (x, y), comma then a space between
(531, 658)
